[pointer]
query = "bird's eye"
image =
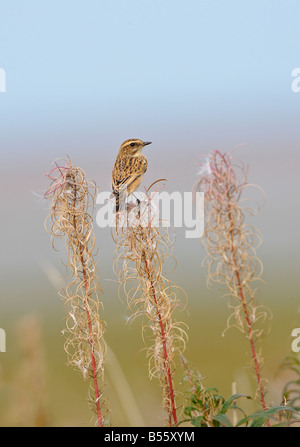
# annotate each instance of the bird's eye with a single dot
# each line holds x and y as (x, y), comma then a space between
(132, 144)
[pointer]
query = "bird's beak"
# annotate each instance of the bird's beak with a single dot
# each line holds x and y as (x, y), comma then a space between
(147, 142)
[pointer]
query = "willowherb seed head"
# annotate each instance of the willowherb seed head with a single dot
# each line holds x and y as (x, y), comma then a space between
(71, 209)
(141, 250)
(231, 247)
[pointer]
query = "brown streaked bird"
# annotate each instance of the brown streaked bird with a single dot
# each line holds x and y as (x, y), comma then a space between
(129, 168)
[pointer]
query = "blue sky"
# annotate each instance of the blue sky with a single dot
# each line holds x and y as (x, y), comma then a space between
(97, 65)
(84, 75)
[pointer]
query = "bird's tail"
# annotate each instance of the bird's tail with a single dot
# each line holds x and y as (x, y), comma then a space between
(117, 196)
(120, 197)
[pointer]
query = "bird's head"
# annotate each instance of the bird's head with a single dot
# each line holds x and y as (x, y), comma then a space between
(133, 146)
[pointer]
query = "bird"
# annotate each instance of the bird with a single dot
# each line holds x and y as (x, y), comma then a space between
(128, 170)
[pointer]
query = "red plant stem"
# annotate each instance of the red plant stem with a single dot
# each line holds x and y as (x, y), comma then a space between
(91, 341)
(91, 338)
(249, 326)
(166, 357)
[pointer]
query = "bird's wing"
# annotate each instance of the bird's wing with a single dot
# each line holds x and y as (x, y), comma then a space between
(126, 170)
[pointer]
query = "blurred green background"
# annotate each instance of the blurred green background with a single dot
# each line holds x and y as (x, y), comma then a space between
(81, 77)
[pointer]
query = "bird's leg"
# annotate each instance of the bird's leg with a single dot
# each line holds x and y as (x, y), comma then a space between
(137, 200)
(139, 208)
(138, 205)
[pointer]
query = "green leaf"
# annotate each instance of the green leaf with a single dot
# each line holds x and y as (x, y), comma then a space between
(196, 421)
(223, 420)
(265, 414)
(218, 398)
(232, 398)
(188, 410)
(258, 422)
(212, 389)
